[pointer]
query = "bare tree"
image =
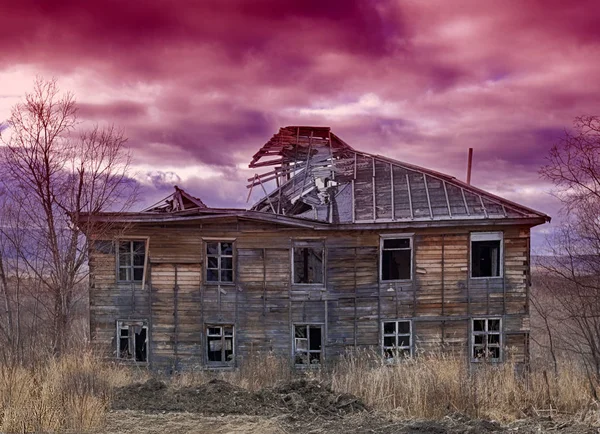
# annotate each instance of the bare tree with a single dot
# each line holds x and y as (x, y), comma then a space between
(573, 269)
(52, 174)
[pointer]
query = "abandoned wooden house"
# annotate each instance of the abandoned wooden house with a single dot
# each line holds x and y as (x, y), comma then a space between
(348, 250)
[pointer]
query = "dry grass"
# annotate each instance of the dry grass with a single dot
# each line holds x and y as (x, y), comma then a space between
(73, 392)
(431, 386)
(70, 393)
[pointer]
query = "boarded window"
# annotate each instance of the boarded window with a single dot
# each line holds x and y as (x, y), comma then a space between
(132, 340)
(219, 261)
(308, 265)
(486, 254)
(131, 260)
(397, 339)
(308, 344)
(396, 258)
(219, 344)
(486, 339)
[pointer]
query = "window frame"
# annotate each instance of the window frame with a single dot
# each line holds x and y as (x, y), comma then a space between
(382, 239)
(313, 243)
(127, 324)
(486, 236)
(233, 256)
(308, 351)
(410, 335)
(222, 326)
(486, 333)
(143, 267)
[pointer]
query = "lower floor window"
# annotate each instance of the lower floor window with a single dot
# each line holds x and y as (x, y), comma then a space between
(397, 339)
(486, 339)
(219, 341)
(132, 340)
(308, 344)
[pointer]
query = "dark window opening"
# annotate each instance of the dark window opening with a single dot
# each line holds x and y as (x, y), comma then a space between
(219, 262)
(219, 340)
(132, 341)
(486, 344)
(131, 260)
(397, 339)
(396, 259)
(308, 344)
(308, 265)
(485, 258)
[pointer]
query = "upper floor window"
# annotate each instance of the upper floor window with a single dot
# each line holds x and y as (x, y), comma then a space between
(396, 258)
(308, 262)
(486, 339)
(132, 340)
(131, 260)
(486, 254)
(219, 261)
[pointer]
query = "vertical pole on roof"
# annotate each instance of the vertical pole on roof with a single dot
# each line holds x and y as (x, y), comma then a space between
(374, 201)
(469, 166)
(392, 191)
(412, 215)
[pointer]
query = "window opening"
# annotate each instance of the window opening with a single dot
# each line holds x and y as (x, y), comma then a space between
(396, 258)
(132, 341)
(308, 264)
(486, 255)
(219, 262)
(307, 344)
(397, 339)
(486, 337)
(131, 259)
(219, 339)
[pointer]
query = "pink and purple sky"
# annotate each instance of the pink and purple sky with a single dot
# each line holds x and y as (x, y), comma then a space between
(198, 87)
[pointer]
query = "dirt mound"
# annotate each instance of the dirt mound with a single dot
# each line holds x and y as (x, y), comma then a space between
(300, 397)
(218, 397)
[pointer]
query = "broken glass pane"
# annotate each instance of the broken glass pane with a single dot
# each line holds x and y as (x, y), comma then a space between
(212, 275)
(140, 345)
(214, 331)
(493, 339)
(301, 344)
(478, 339)
(315, 358)
(395, 264)
(403, 341)
(389, 341)
(403, 327)
(212, 248)
(389, 328)
(479, 325)
(494, 325)
(315, 337)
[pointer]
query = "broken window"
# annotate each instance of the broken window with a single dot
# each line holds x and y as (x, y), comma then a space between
(219, 261)
(308, 344)
(486, 339)
(219, 341)
(396, 258)
(308, 262)
(397, 339)
(132, 340)
(486, 254)
(131, 260)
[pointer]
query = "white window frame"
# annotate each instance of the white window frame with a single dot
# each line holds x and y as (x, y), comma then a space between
(127, 325)
(486, 236)
(384, 237)
(486, 333)
(308, 350)
(313, 244)
(410, 345)
(219, 241)
(118, 242)
(224, 338)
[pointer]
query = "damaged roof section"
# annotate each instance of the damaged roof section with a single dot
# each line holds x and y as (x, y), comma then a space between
(320, 177)
(179, 200)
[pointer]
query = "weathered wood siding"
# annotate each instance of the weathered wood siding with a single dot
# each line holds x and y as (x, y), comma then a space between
(263, 303)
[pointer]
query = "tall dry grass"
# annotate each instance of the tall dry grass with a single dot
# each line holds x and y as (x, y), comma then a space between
(434, 385)
(67, 393)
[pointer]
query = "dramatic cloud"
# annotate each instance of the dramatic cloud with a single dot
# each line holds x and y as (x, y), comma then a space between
(198, 88)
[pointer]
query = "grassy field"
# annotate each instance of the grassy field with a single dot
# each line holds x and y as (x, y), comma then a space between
(76, 392)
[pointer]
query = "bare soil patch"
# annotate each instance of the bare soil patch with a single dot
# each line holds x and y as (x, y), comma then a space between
(300, 406)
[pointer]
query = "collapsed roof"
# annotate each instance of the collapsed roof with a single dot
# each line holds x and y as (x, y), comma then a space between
(320, 177)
